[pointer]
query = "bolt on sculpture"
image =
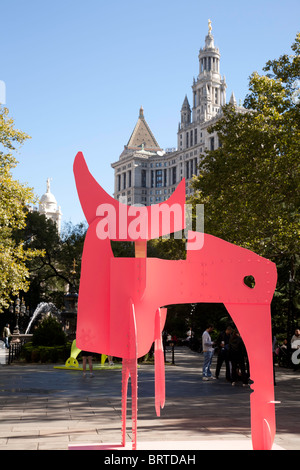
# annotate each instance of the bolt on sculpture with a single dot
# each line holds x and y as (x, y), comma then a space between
(120, 299)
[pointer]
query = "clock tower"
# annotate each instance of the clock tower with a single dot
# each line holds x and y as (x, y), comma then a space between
(209, 90)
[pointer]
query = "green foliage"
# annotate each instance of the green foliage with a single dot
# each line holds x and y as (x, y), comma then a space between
(49, 333)
(167, 248)
(196, 316)
(123, 249)
(14, 198)
(50, 272)
(52, 354)
(177, 322)
(71, 247)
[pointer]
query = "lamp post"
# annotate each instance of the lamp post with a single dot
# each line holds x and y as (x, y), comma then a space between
(172, 344)
(23, 310)
(19, 309)
(15, 309)
(69, 315)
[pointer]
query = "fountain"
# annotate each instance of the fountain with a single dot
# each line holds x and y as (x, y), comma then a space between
(19, 339)
(43, 307)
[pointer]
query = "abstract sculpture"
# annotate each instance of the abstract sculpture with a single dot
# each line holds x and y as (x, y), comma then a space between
(120, 299)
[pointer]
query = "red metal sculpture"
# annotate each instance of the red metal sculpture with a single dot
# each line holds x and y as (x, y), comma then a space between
(120, 299)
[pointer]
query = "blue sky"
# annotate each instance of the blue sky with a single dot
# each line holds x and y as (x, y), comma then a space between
(76, 74)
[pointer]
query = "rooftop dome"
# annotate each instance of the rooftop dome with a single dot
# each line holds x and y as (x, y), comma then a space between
(48, 200)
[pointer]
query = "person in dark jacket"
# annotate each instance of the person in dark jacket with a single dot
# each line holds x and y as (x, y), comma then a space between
(237, 356)
(223, 352)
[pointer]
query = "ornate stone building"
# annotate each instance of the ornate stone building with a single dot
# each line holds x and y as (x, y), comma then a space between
(48, 207)
(145, 173)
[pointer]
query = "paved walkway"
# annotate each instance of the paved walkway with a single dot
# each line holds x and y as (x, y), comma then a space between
(43, 408)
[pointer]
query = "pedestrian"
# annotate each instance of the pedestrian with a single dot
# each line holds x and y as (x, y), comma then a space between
(295, 340)
(295, 345)
(87, 356)
(223, 352)
(208, 352)
(110, 360)
(283, 354)
(237, 354)
(6, 334)
(189, 336)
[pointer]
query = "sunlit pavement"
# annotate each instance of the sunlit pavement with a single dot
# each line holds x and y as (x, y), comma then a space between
(43, 408)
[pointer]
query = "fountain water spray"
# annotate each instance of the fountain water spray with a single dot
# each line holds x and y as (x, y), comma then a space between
(43, 307)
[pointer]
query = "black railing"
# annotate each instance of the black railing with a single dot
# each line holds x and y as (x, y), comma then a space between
(170, 347)
(14, 350)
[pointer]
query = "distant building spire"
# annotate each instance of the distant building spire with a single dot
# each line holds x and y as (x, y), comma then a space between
(48, 185)
(209, 27)
(232, 99)
(185, 112)
(142, 137)
(209, 90)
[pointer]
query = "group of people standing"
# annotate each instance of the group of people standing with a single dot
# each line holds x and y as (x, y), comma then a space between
(231, 351)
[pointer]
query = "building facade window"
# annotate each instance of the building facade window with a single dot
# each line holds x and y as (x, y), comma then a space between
(174, 175)
(143, 178)
(158, 178)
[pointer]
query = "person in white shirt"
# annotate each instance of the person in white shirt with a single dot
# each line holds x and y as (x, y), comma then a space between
(208, 352)
(7, 335)
(295, 341)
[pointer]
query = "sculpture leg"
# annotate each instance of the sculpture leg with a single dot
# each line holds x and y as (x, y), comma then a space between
(254, 325)
(130, 368)
(134, 398)
(125, 376)
(159, 364)
(159, 380)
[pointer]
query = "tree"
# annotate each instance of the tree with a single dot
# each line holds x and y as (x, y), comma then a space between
(250, 184)
(49, 333)
(14, 198)
(51, 272)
